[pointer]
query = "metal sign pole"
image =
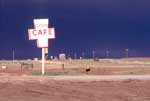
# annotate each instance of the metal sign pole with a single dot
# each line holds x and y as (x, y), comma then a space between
(43, 61)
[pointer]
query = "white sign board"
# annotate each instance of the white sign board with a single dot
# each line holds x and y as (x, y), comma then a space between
(41, 33)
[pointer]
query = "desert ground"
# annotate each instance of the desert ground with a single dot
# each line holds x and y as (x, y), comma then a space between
(107, 80)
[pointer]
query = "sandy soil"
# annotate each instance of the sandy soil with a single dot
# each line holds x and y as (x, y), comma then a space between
(27, 88)
(110, 84)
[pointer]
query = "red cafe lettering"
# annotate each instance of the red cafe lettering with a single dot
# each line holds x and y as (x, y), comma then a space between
(38, 32)
(35, 34)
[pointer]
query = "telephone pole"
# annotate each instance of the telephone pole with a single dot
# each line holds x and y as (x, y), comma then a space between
(93, 54)
(83, 55)
(13, 53)
(127, 53)
(75, 55)
(107, 53)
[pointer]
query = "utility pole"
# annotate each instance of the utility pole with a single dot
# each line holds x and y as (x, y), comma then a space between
(107, 53)
(75, 55)
(127, 53)
(13, 53)
(93, 54)
(83, 55)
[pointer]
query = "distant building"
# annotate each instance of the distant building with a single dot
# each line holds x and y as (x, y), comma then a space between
(62, 56)
(35, 59)
(51, 57)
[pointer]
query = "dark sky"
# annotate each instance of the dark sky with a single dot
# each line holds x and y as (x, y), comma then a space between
(81, 26)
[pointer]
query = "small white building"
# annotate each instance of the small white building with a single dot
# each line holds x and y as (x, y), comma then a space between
(62, 56)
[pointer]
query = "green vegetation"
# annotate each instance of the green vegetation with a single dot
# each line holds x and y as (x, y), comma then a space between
(55, 74)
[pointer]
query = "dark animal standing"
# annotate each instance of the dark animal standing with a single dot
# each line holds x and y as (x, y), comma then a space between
(88, 70)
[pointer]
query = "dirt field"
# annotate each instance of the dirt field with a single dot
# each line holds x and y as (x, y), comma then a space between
(78, 67)
(106, 81)
(28, 88)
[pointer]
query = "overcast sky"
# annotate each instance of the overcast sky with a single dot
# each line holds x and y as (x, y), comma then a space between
(81, 26)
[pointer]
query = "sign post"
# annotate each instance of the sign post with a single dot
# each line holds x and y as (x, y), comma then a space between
(43, 61)
(41, 34)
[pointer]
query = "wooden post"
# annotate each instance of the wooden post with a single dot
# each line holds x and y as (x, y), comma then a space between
(43, 61)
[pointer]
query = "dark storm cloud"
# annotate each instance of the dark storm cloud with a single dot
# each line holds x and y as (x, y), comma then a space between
(80, 24)
(114, 7)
